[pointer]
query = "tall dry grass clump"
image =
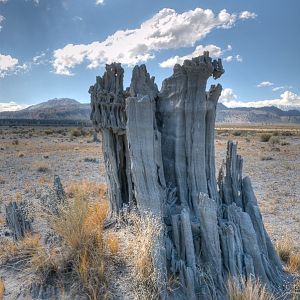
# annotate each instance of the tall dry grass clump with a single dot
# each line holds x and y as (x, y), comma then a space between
(289, 254)
(251, 290)
(78, 257)
(144, 236)
(79, 224)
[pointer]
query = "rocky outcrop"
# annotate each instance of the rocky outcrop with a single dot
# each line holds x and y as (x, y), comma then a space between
(159, 156)
(17, 219)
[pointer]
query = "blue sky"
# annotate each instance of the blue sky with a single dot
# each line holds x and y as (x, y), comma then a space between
(55, 48)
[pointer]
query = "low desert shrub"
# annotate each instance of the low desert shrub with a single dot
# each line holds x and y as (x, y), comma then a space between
(265, 137)
(286, 133)
(266, 158)
(236, 133)
(252, 290)
(41, 167)
(76, 132)
(274, 140)
(49, 131)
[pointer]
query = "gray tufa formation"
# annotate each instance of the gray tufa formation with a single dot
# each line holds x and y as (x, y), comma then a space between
(159, 155)
(17, 220)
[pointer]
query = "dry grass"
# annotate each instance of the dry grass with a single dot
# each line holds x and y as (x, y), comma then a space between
(252, 290)
(112, 243)
(80, 255)
(22, 252)
(76, 132)
(2, 289)
(140, 254)
(88, 189)
(288, 253)
(294, 263)
(285, 248)
(79, 223)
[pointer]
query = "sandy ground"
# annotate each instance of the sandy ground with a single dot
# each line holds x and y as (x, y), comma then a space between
(29, 157)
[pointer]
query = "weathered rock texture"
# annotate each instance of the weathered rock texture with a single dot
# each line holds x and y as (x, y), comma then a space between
(159, 156)
(17, 220)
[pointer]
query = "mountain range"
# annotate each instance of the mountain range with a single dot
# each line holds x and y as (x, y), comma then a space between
(70, 109)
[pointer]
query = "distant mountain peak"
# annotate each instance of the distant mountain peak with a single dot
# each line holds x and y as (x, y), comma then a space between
(54, 103)
(53, 109)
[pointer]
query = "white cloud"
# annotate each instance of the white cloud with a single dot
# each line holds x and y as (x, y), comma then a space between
(7, 64)
(99, 2)
(279, 88)
(165, 30)
(11, 106)
(227, 95)
(214, 51)
(265, 84)
(78, 18)
(231, 58)
(39, 59)
(247, 15)
(287, 100)
(238, 58)
(1, 20)
(3, 1)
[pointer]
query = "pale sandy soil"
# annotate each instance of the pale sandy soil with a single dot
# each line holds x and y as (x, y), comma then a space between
(276, 181)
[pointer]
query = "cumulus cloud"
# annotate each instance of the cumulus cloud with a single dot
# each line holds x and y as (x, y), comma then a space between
(227, 95)
(3, 1)
(99, 2)
(214, 51)
(265, 84)
(7, 64)
(287, 100)
(12, 106)
(247, 15)
(165, 30)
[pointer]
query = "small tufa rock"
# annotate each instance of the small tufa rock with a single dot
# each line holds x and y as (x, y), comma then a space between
(16, 220)
(60, 193)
